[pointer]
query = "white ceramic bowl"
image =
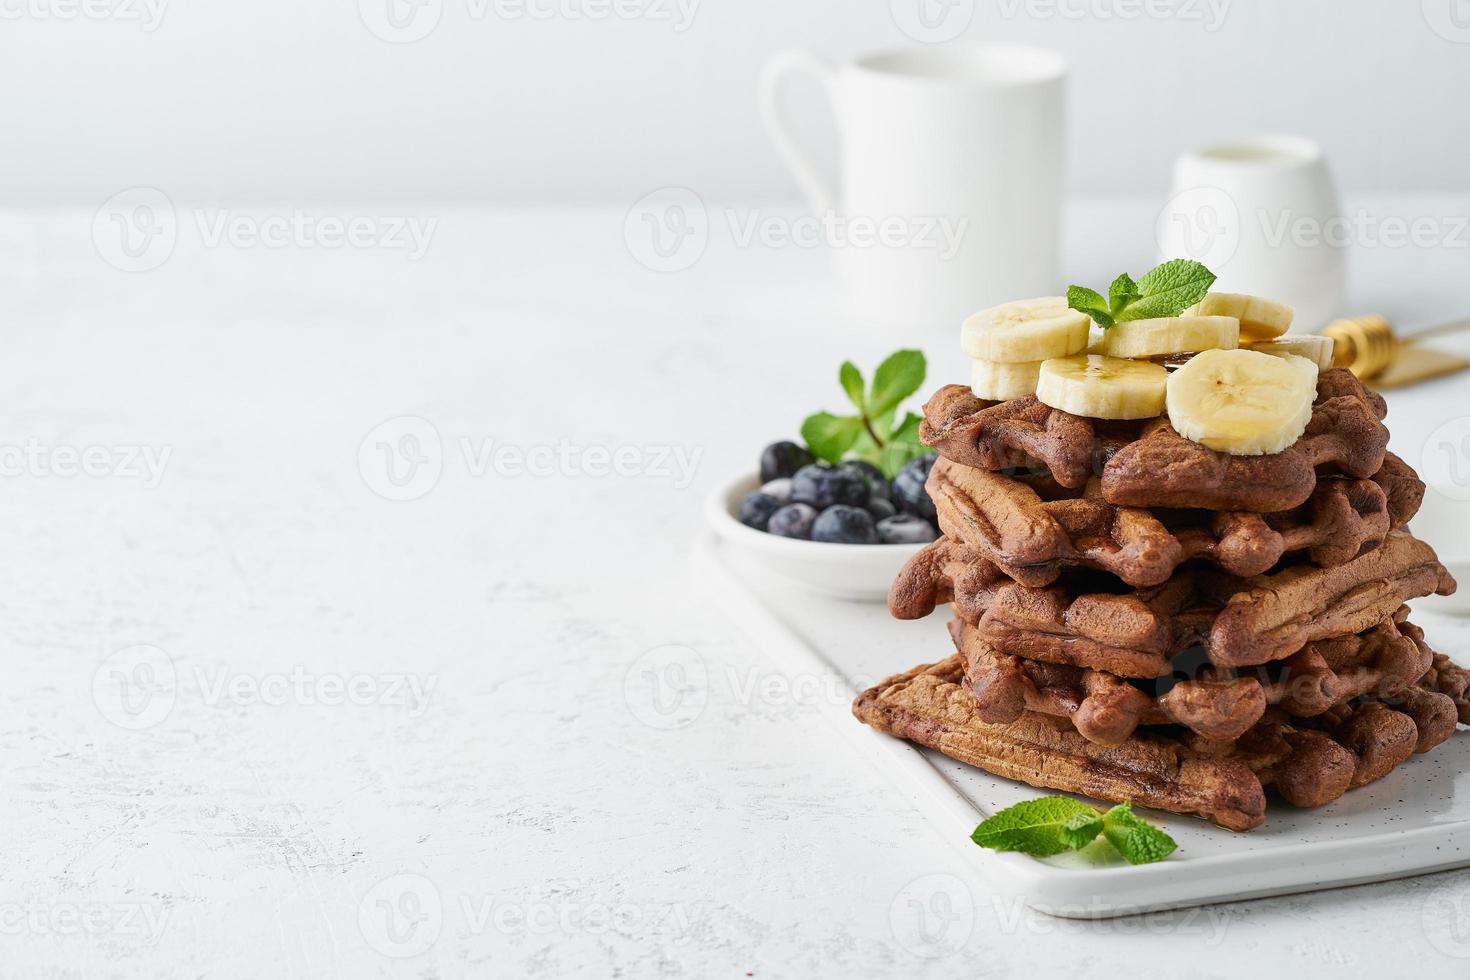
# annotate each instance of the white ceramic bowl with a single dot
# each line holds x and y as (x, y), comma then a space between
(848, 571)
(1441, 522)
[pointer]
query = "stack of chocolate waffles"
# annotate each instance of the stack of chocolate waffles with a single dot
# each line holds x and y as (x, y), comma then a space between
(1137, 617)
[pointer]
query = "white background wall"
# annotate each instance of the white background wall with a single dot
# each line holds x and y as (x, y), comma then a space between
(299, 100)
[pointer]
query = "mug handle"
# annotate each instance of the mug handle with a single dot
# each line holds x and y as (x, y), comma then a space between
(768, 95)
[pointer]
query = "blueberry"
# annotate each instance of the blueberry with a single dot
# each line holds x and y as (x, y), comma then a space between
(881, 507)
(822, 486)
(842, 524)
(877, 483)
(782, 459)
(906, 529)
(908, 488)
(780, 489)
(756, 509)
(793, 521)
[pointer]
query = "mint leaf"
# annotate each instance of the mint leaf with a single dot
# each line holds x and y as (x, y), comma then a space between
(908, 430)
(896, 378)
(1135, 838)
(828, 436)
(1165, 290)
(852, 383)
(902, 446)
(1168, 290)
(874, 434)
(1091, 302)
(1040, 827)
(1121, 293)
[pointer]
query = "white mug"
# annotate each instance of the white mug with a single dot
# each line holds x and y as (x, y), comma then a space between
(1261, 212)
(950, 177)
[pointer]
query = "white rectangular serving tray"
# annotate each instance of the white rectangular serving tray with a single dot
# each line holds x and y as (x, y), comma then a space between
(1415, 820)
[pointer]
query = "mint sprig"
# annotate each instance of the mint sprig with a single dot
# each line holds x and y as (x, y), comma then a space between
(1165, 290)
(1055, 824)
(875, 434)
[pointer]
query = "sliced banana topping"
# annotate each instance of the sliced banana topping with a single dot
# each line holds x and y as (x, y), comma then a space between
(1103, 387)
(1242, 402)
(1167, 335)
(1025, 330)
(1316, 349)
(1260, 319)
(994, 381)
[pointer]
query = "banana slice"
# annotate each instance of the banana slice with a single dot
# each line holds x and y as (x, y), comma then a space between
(1260, 319)
(1316, 349)
(1102, 387)
(1026, 330)
(1242, 402)
(997, 382)
(1166, 335)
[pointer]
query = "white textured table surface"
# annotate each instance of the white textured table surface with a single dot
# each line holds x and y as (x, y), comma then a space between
(260, 720)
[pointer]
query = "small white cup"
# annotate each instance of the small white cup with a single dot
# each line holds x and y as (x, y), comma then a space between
(968, 139)
(1262, 213)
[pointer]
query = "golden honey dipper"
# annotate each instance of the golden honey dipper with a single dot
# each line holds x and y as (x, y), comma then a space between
(1369, 347)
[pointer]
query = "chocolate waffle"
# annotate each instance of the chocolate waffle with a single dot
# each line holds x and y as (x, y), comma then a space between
(1309, 763)
(1384, 662)
(1450, 679)
(1149, 464)
(1238, 621)
(1032, 527)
